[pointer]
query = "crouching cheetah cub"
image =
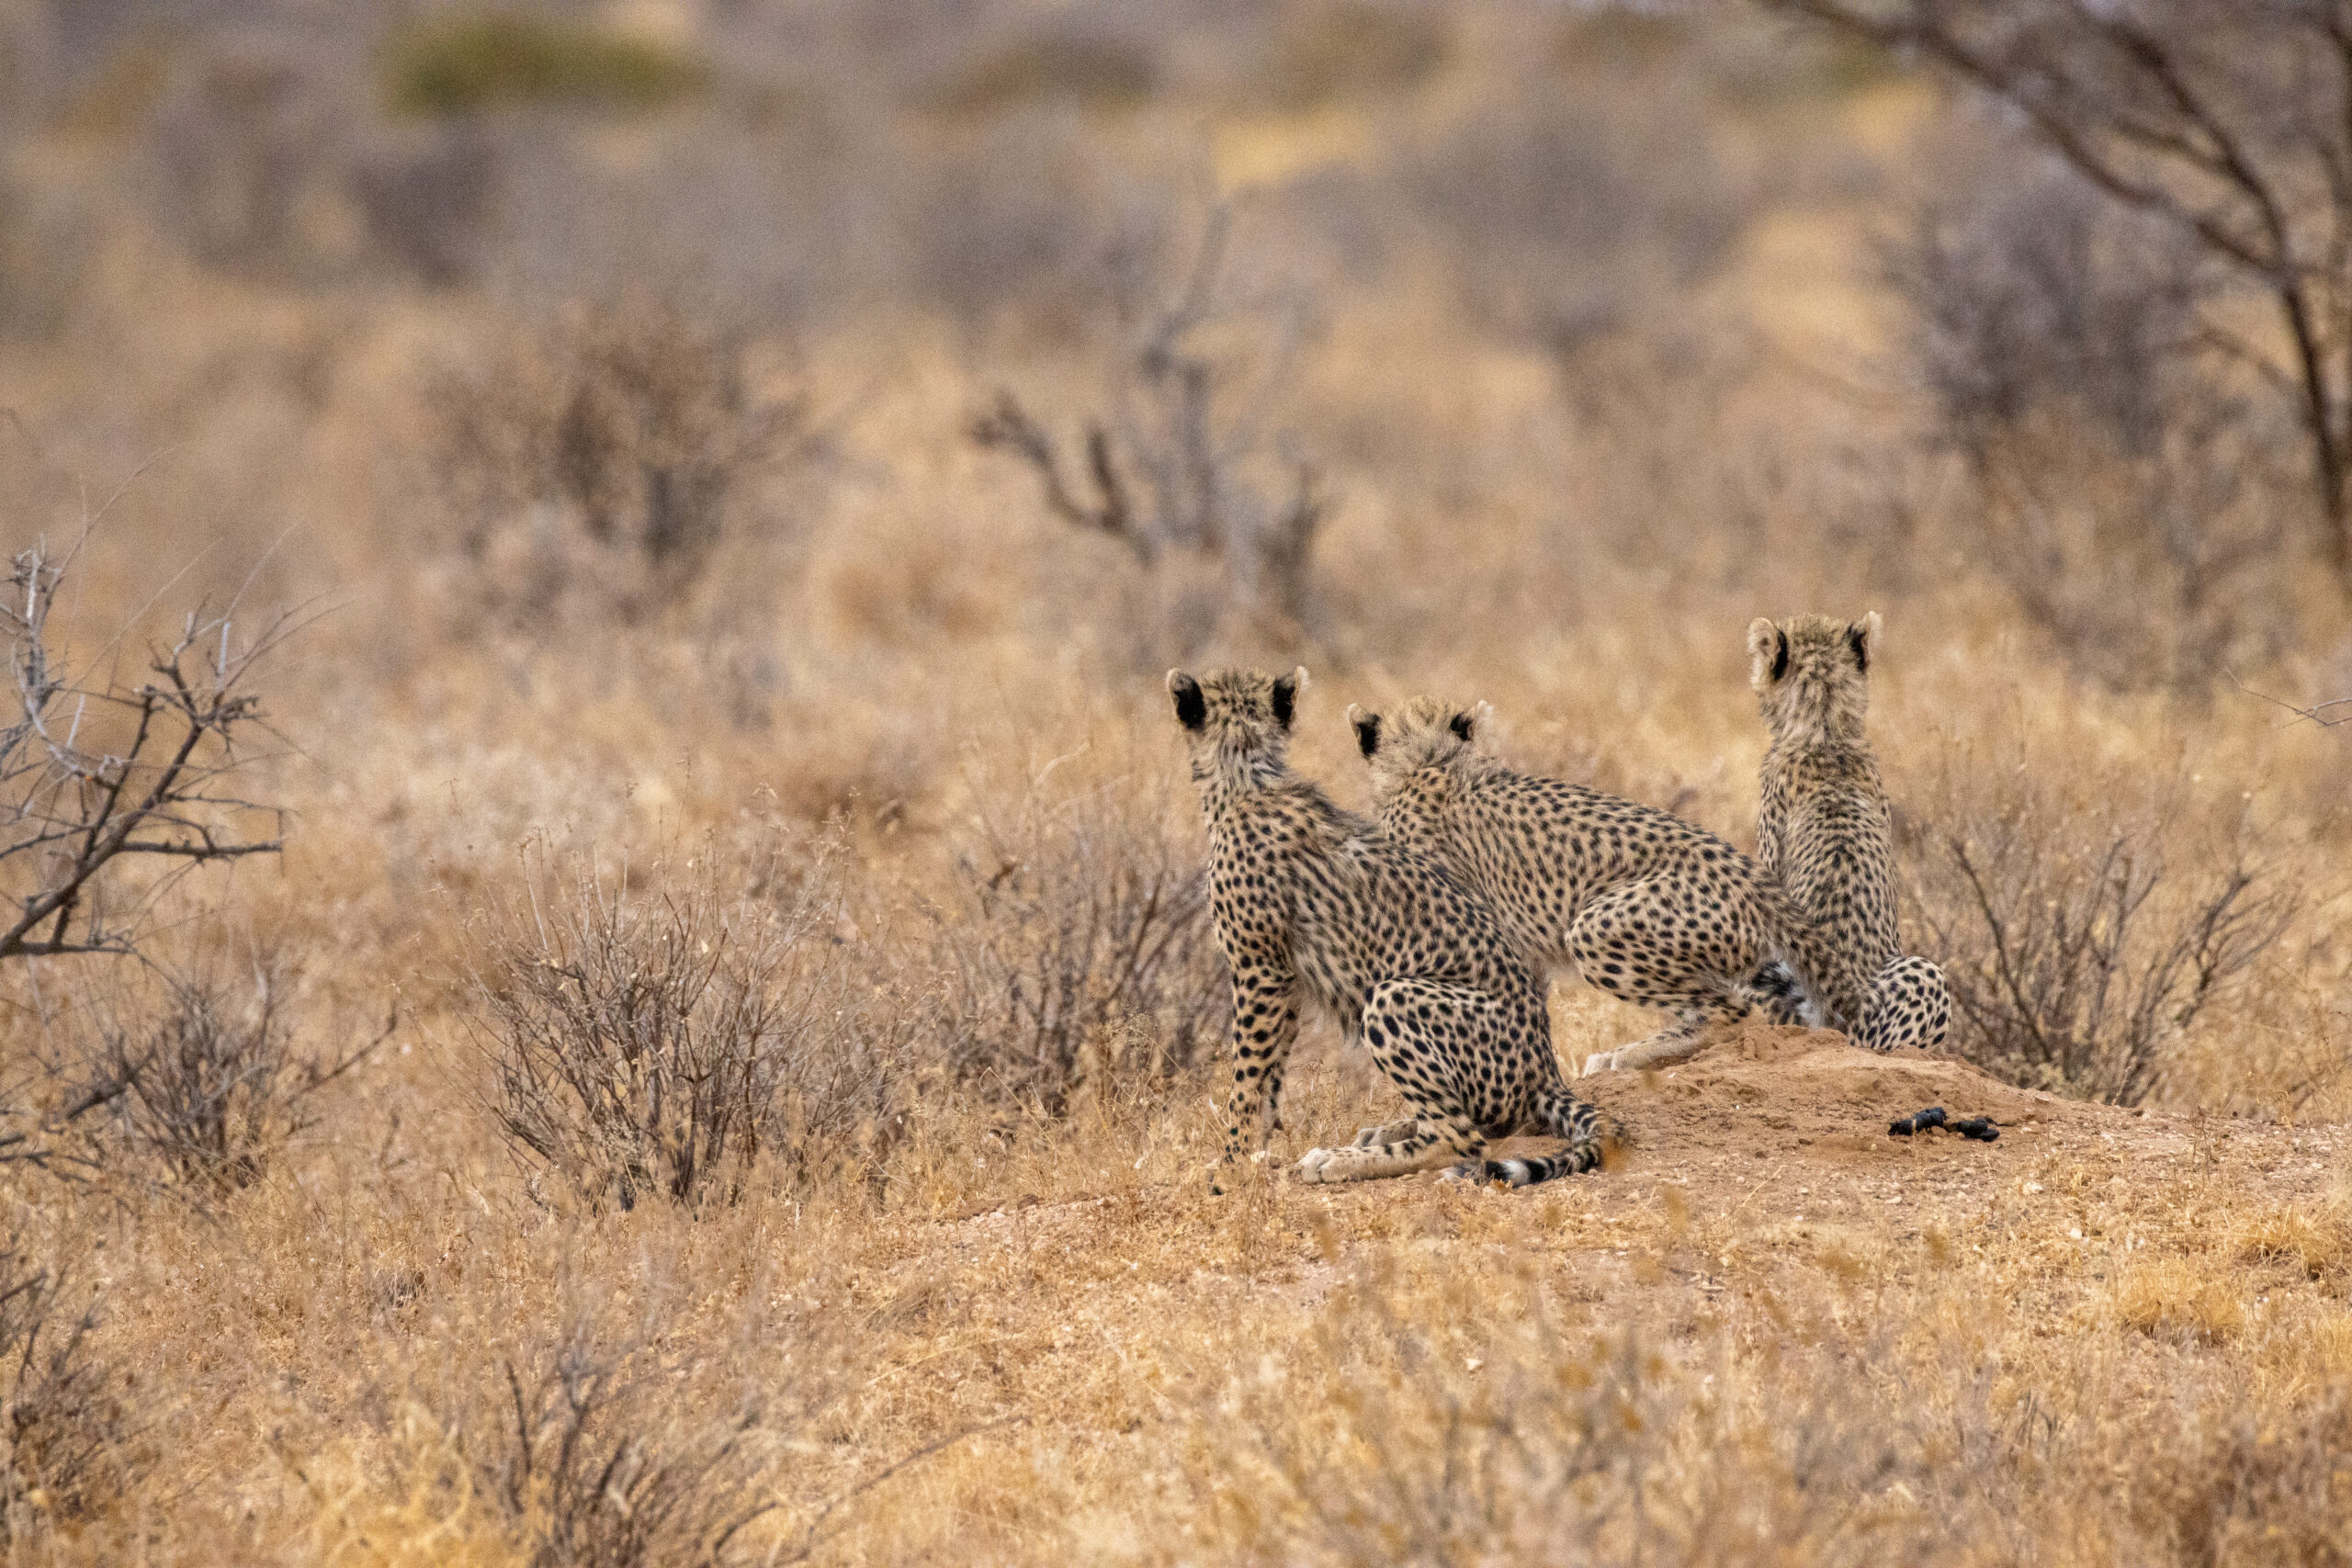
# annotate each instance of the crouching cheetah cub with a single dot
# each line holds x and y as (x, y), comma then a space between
(1648, 907)
(1822, 825)
(1313, 904)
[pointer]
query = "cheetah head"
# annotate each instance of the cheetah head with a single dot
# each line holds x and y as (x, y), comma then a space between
(1812, 671)
(1418, 737)
(1237, 713)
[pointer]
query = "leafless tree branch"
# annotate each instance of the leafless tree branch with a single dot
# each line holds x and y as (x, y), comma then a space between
(94, 775)
(2325, 713)
(2207, 114)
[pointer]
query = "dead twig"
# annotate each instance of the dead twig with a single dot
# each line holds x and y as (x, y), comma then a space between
(2320, 714)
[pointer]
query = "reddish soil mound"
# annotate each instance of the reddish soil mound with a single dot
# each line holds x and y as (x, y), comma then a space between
(1761, 1086)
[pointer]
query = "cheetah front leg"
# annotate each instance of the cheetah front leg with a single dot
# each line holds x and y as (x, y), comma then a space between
(1265, 1021)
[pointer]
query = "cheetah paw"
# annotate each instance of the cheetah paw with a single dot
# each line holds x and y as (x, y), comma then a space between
(1317, 1165)
(1599, 1061)
(1473, 1170)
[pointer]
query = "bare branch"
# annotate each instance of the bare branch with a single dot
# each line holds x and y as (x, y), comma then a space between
(2210, 116)
(2322, 714)
(72, 816)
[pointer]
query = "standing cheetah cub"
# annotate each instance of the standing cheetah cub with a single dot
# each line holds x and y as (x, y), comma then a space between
(1648, 907)
(1312, 902)
(1823, 824)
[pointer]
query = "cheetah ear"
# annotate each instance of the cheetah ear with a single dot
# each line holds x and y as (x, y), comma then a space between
(1192, 708)
(1863, 636)
(1768, 648)
(1367, 729)
(1287, 690)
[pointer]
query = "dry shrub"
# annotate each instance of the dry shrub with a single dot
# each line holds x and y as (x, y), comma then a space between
(1077, 946)
(2126, 486)
(653, 1035)
(1562, 213)
(67, 1444)
(212, 1085)
(1398, 1441)
(592, 1472)
(1182, 465)
(244, 143)
(591, 471)
(426, 194)
(1004, 227)
(99, 775)
(2084, 934)
(2244, 1485)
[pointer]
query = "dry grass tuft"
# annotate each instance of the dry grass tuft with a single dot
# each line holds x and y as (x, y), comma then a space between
(2316, 1240)
(2179, 1297)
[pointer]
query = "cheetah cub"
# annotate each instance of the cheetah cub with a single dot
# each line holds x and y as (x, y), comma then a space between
(1822, 825)
(1648, 907)
(1313, 904)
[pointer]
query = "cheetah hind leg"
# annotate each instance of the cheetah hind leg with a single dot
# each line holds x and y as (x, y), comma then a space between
(1420, 1032)
(1684, 1041)
(1907, 1004)
(1623, 943)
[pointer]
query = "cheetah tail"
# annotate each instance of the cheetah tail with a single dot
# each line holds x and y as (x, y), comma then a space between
(1564, 1116)
(1826, 983)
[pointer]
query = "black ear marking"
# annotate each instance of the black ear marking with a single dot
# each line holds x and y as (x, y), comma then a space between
(1779, 658)
(1368, 733)
(1286, 698)
(1459, 725)
(1858, 638)
(1191, 707)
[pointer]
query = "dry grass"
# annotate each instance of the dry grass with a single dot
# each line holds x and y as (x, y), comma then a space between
(820, 852)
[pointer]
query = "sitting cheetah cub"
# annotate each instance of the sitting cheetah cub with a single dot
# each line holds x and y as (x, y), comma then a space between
(1822, 825)
(1313, 904)
(1645, 906)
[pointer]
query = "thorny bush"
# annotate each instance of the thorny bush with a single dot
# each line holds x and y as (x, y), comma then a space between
(67, 1444)
(2083, 938)
(657, 1036)
(584, 1468)
(214, 1084)
(1078, 947)
(592, 470)
(1181, 466)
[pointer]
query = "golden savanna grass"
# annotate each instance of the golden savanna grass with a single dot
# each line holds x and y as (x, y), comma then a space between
(899, 747)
